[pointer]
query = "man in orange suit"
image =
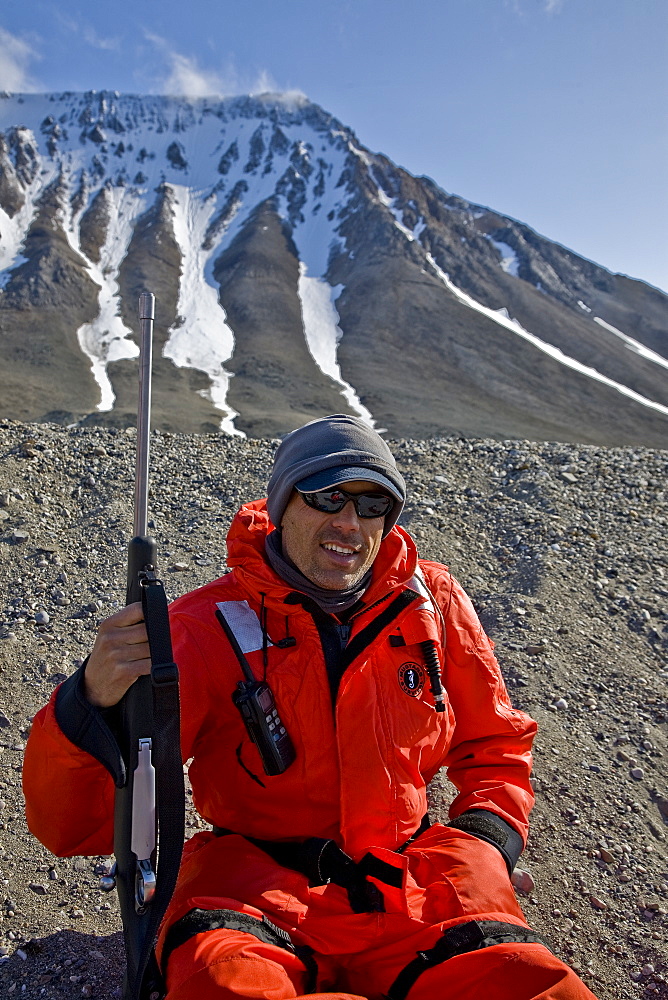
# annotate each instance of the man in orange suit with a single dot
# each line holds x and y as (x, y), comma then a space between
(324, 682)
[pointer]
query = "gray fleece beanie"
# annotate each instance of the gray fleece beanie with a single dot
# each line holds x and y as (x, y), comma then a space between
(342, 445)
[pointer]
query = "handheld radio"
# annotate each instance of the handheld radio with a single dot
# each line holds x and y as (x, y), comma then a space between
(257, 708)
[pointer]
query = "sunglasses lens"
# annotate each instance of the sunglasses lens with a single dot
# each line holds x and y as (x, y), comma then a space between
(373, 504)
(329, 501)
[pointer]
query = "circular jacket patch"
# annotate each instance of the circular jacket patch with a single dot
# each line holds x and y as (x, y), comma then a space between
(411, 678)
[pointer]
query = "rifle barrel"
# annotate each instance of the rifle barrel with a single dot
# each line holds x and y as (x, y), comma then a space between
(146, 316)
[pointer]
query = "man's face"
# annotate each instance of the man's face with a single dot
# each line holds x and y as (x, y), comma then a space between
(333, 551)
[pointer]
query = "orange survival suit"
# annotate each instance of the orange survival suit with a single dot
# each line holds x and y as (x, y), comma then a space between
(377, 911)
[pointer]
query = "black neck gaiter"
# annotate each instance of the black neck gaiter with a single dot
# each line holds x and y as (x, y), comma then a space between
(331, 601)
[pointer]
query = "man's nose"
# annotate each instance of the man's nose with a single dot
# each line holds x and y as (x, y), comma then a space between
(347, 516)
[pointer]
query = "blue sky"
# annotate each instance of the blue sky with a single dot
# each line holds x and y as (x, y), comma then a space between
(551, 111)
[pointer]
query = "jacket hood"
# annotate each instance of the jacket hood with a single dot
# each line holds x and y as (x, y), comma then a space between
(393, 567)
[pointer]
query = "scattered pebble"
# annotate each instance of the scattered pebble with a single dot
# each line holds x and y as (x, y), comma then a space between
(523, 881)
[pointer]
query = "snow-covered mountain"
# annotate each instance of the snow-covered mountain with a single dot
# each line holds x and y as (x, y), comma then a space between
(296, 274)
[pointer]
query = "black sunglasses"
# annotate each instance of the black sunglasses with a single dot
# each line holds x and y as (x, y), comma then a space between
(332, 501)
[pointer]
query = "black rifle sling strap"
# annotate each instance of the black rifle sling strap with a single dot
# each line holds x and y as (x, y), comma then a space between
(143, 979)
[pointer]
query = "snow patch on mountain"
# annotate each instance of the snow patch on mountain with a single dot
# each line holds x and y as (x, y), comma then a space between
(315, 235)
(633, 345)
(12, 234)
(13, 230)
(323, 334)
(392, 205)
(203, 339)
(410, 234)
(106, 338)
(509, 259)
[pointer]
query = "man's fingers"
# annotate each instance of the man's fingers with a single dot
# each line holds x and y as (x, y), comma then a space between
(141, 667)
(128, 636)
(106, 688)
(113, 639)
(120, 654)
(129, 615)
(133, 653)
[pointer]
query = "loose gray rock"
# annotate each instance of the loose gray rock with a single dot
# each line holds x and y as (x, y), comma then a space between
(523, 881)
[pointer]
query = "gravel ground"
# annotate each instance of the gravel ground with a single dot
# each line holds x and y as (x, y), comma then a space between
(563, 550)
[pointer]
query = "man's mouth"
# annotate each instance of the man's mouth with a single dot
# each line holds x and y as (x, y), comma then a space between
(344, 550)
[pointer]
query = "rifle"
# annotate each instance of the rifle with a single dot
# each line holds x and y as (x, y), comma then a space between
(149, 812)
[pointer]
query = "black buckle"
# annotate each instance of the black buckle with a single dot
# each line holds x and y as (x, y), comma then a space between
(164, 674)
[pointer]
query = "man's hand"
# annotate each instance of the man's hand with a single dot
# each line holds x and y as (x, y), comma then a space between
(120, 655)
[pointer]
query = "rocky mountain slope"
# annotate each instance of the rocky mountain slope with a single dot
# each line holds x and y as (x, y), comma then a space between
(563, 550)
(297, 274)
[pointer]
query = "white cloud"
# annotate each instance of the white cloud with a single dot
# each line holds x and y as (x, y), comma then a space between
(184, 77)
(87, 32)
(15, 58)
(519, 7)
(264, 84)
(97, 42)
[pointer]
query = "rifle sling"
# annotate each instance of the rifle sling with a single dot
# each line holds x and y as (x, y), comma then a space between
(143, 977)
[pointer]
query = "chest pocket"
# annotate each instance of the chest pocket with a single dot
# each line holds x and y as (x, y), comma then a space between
(407, 687)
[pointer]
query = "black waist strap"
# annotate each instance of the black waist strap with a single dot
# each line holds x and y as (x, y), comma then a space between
(458, 940)
(323, 861)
